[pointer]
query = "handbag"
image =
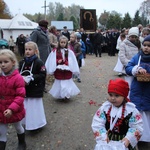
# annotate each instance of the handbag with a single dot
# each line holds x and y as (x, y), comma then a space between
(112, 145)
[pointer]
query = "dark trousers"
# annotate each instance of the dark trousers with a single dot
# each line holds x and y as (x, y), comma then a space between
(113, 50)
(11, 48)
(98, 50)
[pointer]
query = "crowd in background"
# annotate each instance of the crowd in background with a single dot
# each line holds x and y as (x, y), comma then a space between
(95, 43)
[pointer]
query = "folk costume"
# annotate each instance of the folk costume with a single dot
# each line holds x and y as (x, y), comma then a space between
(116, 123)
(63, 86)
(119, 66)
(34, 73)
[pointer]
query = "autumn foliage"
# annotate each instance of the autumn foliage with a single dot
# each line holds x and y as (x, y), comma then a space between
(4, 11)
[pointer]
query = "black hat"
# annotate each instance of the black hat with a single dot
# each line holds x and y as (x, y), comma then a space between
(65, 27)
(43, 23)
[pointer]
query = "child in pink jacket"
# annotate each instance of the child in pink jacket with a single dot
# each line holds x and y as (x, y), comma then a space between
(12, 93)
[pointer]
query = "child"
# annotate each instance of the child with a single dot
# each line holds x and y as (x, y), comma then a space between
(12, 93)
(34, 73)
(83, 49)
(140, 91)
(89, 45)
(119, 66)
(128, 48)
(145, 32)
(118, 119)
(62, 63)
(75, 46)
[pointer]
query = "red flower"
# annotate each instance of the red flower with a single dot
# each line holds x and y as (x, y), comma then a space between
(98, 113)
(91, 102)
(138, 117)
(96, 134)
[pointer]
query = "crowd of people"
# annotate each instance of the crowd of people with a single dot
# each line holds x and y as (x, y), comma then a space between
(124, 116)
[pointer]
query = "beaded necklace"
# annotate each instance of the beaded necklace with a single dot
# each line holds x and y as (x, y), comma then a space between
(120, 120)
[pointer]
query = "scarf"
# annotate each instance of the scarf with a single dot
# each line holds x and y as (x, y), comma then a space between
(144, 58)
(30, 59)
(44, 29)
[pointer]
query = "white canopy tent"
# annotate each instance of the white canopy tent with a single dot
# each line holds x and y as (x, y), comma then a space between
(60, 25)
(16, 26)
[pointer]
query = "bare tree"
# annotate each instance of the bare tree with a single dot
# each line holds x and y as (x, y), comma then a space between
(145, 9)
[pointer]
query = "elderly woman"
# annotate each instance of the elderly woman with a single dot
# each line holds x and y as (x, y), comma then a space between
(41, 37)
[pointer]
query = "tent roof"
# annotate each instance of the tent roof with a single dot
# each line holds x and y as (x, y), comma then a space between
(60, 24)
(18, 22)
(4, 23)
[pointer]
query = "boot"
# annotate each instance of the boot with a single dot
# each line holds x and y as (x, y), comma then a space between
(2, 145)
(21, 142)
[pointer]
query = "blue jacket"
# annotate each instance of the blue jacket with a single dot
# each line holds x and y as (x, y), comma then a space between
(139, 91)
(83, 49)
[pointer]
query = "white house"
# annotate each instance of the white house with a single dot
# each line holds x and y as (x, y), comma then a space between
(16, 26)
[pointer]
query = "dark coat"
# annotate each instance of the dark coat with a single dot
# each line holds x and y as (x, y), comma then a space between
(35, 87)
(66, 34)
(42, 40)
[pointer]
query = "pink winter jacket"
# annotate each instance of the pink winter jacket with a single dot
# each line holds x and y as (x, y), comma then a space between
(12, 93)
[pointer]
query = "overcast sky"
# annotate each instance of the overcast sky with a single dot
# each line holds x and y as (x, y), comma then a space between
(35, 6)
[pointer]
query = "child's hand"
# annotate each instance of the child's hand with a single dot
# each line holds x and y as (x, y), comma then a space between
(138, 135)
(142, 71)
(8, 113)
(60, 61)
(126, 142)
(107, 140)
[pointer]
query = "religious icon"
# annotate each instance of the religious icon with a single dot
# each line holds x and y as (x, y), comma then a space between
(88, 19)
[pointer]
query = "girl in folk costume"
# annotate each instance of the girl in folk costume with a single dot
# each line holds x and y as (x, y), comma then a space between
(118, 119)
(62, 63)
(34, 73)
(140, 91)
(12, 93)
(119, 66)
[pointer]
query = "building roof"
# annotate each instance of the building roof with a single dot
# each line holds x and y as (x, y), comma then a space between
(60, 24)
(18, 22)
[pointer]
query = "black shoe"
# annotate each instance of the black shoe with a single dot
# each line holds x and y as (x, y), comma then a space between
(21, 143)
(2, 145)
(120, 74)
(78, 80)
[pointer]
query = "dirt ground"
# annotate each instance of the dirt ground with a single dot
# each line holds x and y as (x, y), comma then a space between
(69, 122)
